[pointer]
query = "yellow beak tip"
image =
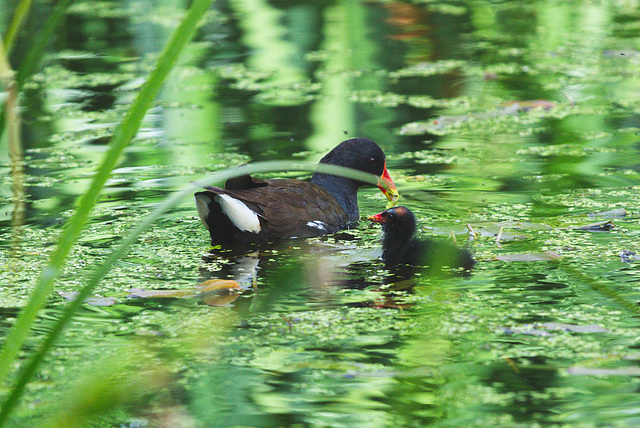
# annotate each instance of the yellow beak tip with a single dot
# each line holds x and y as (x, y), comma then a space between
(393, 197)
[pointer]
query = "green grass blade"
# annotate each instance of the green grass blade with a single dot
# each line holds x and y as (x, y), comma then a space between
(36, 49)
(42, 40)
(123, 134)
(16, 23)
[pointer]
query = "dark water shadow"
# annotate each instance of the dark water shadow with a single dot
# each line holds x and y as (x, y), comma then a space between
(334, 272)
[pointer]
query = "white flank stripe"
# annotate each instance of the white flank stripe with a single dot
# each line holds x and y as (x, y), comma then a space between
(240, 215)
(317, 224)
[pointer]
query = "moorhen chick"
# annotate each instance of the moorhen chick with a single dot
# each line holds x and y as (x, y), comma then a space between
(400, 246)
(254, 211)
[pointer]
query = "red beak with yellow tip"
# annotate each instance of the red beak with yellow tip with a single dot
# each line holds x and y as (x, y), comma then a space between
(377, 218)
(388, 187)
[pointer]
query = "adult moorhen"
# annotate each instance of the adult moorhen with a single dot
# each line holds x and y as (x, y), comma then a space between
(400, 246)
(250, 210)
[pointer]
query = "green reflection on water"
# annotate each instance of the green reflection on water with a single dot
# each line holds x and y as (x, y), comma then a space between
(436, 85)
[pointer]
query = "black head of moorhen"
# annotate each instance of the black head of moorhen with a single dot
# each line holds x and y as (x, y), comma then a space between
(250, 210)
(400, 246)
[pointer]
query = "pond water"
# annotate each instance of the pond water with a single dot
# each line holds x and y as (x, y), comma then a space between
(515, 120)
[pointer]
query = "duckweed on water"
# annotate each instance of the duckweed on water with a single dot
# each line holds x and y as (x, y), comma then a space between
(526, 134)
(428, 69)
(55, 75)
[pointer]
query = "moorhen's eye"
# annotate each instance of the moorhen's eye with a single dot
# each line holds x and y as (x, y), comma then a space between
(391, 215)
(372, 160)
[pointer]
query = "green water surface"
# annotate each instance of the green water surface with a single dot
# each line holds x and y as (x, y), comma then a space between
(512, 119)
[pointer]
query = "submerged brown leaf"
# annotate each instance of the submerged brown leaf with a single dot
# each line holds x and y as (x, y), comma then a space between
(214, 292)
(219, 298)
(93, 301)
(529, 257)
(601, 226)
(146, 294)
(616, 213)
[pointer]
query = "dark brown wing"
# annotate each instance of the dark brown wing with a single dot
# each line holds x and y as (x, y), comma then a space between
(244, 182)
(292, 209)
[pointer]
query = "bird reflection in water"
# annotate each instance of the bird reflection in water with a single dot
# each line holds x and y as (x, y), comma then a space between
(301, 274)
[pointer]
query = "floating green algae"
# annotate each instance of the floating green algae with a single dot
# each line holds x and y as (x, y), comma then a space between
(514, 142)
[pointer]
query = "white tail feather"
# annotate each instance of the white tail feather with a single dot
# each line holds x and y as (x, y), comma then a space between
(243, 217)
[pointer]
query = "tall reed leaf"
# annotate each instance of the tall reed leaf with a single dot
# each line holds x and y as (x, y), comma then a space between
(121, 138)
(16, 23)
(41, 41)
(36, 48)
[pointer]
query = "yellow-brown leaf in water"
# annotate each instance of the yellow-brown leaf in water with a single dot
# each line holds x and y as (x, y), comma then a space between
(219, 292)
(219, 284)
